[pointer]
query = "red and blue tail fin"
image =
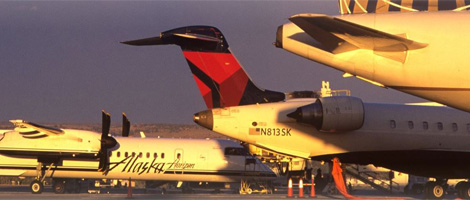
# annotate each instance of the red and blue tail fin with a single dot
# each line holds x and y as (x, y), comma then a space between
(222, 81)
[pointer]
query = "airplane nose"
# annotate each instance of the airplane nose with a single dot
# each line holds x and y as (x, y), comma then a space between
(278, 42)
(204, 119)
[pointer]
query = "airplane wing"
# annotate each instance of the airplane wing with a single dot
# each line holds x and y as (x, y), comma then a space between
(32, 130)
(338, 36)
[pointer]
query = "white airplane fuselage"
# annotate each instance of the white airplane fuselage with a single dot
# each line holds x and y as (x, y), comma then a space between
(438, 72)
(401, 137)
(151, 159)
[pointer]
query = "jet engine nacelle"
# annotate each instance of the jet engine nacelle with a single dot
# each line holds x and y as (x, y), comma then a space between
(332, 114)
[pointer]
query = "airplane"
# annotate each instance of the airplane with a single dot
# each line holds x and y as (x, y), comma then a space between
(66, 155)
(384, 6)
(429, 141)
(425, 57)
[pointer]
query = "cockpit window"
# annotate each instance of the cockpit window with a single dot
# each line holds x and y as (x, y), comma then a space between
(236, 151)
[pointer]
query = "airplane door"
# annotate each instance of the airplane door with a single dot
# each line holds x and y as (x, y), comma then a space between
(179, 156)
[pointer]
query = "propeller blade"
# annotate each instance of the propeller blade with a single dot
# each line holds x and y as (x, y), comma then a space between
(107, 142)
(106, 124)
(126, 125)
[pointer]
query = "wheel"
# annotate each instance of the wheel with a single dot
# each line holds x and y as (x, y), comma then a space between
(36, 187)
(59, 186)
(463, 190)
(434, 190)
(249, 191)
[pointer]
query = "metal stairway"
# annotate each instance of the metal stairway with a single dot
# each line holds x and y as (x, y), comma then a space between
(373, 179)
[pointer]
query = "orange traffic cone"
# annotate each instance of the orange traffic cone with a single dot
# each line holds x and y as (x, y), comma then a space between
(301, 188)
(290, 194)
(312, 188)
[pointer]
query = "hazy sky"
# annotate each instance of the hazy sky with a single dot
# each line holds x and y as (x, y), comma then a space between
(62, 61)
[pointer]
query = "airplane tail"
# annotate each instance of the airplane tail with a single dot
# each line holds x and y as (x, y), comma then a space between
(221, 80)
(383, 6)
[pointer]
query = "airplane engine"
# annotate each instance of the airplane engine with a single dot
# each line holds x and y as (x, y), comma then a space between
(332, 114)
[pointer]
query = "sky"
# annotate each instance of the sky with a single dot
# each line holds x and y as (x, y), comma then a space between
(61, 62)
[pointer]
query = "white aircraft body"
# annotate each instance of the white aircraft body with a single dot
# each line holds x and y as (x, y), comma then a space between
(32, 150)
(420, 53)
(430, 141)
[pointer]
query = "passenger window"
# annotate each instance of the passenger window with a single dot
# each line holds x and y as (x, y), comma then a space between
(155, 155)
(133, 154)
(236, 151)
(163, 155)
(455, 127)
(126, 154)
(140, 155)
(118, 154)
(410, 124)
(440, 126)
(148, 155)
(393, 124)
(425, 125)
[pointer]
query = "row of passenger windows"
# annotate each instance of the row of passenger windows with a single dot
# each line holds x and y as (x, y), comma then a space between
(234, 151)
(140, 155)
(425, 125)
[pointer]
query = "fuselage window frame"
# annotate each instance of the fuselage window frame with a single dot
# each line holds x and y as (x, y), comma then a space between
(411, 124)
(393, 124)
(425, 125)
(455, 127)
(440, 126)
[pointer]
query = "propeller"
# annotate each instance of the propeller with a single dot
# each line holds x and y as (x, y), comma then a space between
(126, 125)
(107, 142)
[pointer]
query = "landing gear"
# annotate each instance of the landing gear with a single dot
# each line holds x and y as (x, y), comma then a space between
(36, 187)
(463, 189)
(435, 189)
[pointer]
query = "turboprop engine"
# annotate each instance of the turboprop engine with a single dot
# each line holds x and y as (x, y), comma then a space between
(332, 114)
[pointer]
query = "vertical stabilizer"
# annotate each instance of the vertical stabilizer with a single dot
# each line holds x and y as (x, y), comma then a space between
(221, 80)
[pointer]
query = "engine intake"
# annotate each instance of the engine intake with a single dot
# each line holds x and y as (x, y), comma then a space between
(332, 114)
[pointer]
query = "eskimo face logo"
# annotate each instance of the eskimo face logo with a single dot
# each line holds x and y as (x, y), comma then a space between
(132, 164)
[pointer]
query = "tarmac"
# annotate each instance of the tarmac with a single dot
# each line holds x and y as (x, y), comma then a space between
(22, 192)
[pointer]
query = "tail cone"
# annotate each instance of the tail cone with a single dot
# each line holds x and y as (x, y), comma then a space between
(204, 119)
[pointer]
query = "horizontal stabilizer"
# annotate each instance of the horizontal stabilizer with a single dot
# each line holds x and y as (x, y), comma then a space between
(194, 38)
(338, 36)
(145, 41)
(24, 126)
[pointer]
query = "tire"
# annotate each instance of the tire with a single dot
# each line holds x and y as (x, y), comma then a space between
(434, 191)
(463, 190)
(59, 186)
(36, 187)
